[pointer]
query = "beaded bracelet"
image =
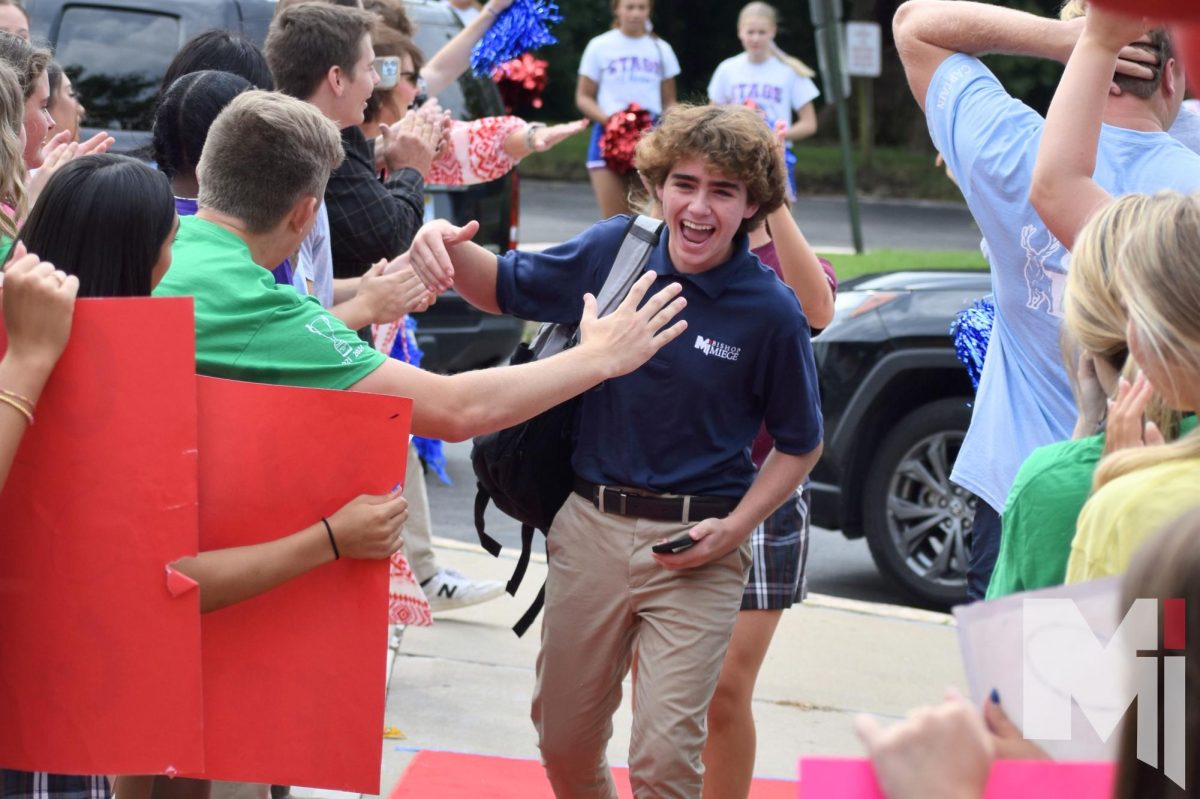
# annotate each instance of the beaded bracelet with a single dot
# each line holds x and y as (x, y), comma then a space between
(28, 414)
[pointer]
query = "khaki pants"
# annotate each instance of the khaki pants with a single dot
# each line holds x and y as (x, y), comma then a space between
(606, 597)
(418, 547)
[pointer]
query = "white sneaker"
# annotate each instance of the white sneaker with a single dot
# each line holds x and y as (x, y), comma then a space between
(450, 590)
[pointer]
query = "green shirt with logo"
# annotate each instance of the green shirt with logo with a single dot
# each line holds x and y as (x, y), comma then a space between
(248, 327)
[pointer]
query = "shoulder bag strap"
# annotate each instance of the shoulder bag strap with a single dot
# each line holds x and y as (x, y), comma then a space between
(641, 238)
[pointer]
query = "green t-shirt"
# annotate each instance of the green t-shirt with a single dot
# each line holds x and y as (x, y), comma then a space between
(1041, 513)
(248, 327)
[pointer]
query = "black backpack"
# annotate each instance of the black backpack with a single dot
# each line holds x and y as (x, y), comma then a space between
(525, 470)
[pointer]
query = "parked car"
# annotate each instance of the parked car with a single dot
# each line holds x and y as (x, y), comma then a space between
(897, 404)
(116, 52)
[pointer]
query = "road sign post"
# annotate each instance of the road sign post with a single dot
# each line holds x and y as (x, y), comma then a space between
(827, 21)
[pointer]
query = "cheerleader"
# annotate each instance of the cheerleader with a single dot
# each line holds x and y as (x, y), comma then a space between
(628, 64)
(768, 79)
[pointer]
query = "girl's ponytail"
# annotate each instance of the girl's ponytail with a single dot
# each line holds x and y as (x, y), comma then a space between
(798, 66)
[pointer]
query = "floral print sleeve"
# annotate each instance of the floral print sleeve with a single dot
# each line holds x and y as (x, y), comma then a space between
(476, 152)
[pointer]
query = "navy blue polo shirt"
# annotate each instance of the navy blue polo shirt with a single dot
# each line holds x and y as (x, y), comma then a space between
(683, 422)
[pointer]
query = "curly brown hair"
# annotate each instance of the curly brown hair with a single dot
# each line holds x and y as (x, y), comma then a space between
(729, 139)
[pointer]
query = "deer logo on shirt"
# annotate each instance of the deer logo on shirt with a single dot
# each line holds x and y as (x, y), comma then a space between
(1045, 277)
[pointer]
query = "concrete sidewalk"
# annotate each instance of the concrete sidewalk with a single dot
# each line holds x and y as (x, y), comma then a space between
(464, 684)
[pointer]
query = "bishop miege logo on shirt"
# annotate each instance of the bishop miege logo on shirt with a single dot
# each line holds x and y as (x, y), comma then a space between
(716, 349)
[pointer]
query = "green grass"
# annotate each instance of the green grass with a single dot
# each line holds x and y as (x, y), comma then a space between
(894, 171)
(848, 266)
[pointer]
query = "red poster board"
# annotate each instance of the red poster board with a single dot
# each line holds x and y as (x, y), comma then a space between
(99, 664)
(294, 682)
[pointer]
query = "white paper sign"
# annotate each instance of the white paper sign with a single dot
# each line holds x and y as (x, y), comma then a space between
(864, 49)
(992, 637)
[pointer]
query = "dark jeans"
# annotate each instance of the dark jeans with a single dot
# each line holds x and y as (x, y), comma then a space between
(984, 546)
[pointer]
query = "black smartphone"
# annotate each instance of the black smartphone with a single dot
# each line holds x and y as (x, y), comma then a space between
(671, 547)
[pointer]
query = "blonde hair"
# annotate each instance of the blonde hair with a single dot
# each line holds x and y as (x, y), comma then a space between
(12, 160)
(1072, 9)
(768, 12)
(1159, 279)
(266, 133)
(1095, 312)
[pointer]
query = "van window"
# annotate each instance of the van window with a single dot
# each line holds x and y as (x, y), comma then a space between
(116, 59)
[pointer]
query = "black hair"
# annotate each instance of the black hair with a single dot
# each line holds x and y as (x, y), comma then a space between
(103, 218)
(184, 114)
(223, 51)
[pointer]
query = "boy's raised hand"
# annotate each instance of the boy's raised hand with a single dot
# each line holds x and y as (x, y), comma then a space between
(429, 255)
(630, 336)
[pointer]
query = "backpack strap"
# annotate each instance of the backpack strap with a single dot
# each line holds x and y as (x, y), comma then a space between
(640, 239)
(491, 545)
(523, 623)
(518, 574)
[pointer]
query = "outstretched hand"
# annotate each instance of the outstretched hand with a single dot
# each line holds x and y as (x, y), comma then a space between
(391, 289)
(546, 137)
(429, 254)
(630, 336)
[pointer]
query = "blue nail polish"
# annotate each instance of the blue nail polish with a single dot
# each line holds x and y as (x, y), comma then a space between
(995, 697)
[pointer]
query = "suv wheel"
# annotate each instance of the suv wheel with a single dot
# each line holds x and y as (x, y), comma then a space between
(916, 520)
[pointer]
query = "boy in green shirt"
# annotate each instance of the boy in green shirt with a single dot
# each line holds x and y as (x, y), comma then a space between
(262, 174)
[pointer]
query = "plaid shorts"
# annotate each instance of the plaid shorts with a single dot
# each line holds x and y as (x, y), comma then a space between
(779, 552)
(40, 785)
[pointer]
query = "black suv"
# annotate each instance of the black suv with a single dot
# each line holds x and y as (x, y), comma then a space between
(117, 50)
(897, 404)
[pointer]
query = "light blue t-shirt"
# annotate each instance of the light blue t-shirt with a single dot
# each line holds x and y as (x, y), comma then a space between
(990, 142)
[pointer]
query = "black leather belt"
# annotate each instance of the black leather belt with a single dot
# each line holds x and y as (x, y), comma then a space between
(683, 509)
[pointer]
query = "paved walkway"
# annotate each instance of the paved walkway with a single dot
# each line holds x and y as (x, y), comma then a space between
(464, 684)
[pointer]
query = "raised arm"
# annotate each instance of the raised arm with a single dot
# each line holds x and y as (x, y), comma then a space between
(39, 302)
(1063, 191)
(461, 406)
(927, 32)
(801, 268)
(455, 56)
(367, 527)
